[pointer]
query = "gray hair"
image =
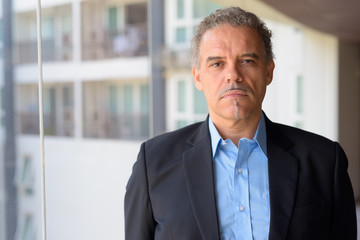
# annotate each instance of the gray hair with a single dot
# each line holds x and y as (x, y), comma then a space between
(236, 17)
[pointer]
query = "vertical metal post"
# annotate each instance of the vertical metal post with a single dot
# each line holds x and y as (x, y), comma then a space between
(9, 145)
(157, 81)
(41, 122)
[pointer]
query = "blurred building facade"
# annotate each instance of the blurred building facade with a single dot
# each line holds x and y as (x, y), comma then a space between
(98, 107)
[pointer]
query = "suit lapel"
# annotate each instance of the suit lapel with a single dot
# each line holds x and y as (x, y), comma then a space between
(283, 173)
(198, 172)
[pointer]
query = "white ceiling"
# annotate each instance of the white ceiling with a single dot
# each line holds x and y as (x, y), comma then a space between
(337, 17)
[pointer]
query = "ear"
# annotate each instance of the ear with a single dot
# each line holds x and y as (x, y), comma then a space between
(270, 72)
(197, 79)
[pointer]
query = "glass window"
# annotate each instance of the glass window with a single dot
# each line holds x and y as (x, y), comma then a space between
(27, 228)
(190, 103)
(48, 28)
(181, 123)
(115, 110)
(202, 8)
(200, 104)
(180, 34)
(211, 7)
(113, 99)
(49, 100)
(27, 109)
(181, 96)
(67, 97)
(49, 111)
(128, 99)
(66, 23)
(144, 109)
(66, 115)
(144, 98)
(25, 176)
(180, 9)
(198, 6)
(112, 19)
(299, 124)
(113, 32)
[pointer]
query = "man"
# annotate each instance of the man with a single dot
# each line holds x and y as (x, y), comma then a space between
(238, 175)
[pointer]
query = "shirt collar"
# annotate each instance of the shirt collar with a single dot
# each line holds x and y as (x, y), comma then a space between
(260, 135)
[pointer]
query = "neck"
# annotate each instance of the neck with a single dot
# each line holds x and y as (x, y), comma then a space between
(235, 129)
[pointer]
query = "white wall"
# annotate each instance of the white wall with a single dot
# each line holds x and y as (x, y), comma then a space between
(280, 100)
(85, 186)
(119, 68)
(313, 55)
(321, 84)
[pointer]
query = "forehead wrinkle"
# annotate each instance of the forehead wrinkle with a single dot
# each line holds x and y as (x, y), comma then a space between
(219, 44)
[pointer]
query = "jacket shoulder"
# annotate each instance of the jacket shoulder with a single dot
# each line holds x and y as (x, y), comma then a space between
(302, 142)
(298, 135)
(173, 141)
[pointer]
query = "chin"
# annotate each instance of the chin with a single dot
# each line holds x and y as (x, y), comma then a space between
(235, 115)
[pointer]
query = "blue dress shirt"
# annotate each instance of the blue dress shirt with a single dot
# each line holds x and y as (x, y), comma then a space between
(242, 185)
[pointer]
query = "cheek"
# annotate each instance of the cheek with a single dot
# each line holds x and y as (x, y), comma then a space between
(260, 92)
(212, 86)
(210, 94)
(258, 84)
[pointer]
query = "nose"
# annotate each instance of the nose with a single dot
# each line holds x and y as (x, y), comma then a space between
(232, 74)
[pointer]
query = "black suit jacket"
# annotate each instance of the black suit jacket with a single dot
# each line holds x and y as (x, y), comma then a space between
(170, 194)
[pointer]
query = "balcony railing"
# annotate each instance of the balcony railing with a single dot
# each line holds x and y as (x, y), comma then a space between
(29, 124)
(105, 44)
(26, 51)
(117, 126)
(111, 126)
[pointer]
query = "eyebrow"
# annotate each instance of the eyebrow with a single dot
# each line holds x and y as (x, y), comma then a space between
(210, 59)
(252, 55)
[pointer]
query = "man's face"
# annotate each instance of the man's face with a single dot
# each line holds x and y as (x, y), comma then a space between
(233, 72)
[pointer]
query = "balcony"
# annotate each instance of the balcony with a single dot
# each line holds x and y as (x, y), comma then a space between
(117, 126)
(29, 124)
(26, 50)
(105, 44)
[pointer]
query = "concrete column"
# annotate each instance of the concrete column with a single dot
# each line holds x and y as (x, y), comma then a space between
(156, 31)
(11, 211)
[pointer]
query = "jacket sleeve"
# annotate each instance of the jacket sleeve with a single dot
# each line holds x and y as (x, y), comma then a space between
(139, 221)
(344, 211)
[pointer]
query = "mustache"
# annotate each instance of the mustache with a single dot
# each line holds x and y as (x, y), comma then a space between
(233, 87)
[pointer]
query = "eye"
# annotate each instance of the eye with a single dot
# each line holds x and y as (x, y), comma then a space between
(216, 64)
(248, 61)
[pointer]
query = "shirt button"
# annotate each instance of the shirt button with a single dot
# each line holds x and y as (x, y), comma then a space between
(240, 170)
(241, 208)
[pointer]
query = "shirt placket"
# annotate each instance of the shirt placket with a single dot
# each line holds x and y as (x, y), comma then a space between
(241, 190)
